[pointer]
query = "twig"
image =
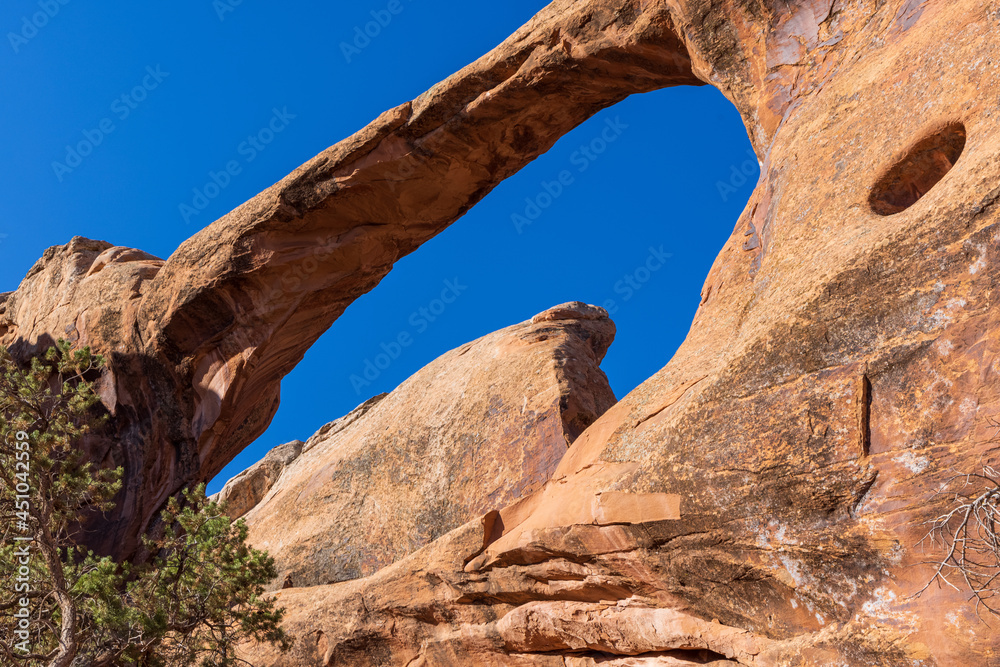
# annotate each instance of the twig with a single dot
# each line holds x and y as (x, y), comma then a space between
(969, 534)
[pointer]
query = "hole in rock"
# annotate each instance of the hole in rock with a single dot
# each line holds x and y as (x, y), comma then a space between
(919, 170)
(691, 656)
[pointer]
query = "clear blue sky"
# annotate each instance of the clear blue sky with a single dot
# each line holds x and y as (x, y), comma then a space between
(174, 91)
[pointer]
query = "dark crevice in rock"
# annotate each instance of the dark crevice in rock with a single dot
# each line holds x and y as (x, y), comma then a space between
(920, 169)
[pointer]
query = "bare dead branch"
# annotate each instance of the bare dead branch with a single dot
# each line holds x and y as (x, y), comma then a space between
(968, 535)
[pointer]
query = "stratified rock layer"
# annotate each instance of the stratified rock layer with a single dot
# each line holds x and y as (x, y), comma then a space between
(474, 431)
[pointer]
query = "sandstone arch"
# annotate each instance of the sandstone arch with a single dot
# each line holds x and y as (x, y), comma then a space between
(837, 369)
(199, 343)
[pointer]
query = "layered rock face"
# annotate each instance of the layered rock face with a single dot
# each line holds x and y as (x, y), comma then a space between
(474, 431)
(759, 501)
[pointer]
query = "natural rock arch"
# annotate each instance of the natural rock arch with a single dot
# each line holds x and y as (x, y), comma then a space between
(839, 364)
(199, 343)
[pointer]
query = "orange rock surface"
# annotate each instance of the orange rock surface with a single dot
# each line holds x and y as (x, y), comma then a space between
(474, 431)
(841, 367)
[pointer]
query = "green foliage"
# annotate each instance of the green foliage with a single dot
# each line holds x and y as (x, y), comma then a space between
(198, 595)
(205, 587)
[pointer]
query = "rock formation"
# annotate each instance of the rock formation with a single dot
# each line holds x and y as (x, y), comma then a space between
(197, 345)
(841, 366)
(474, 431)
(839, 369)
(244, 491)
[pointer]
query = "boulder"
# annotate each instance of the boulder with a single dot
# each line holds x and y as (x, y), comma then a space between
(475, 430)
(243, 492)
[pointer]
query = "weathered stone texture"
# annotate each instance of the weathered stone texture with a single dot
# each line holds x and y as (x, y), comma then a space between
(474, 431)
(841, 365)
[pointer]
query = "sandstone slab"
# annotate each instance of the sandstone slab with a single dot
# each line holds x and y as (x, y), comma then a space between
(472, 432)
